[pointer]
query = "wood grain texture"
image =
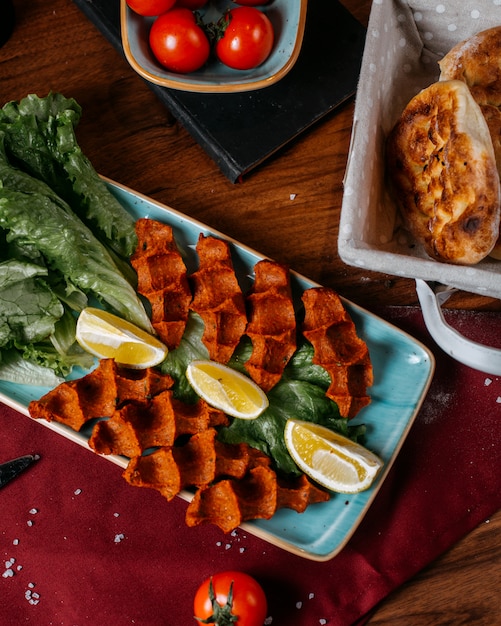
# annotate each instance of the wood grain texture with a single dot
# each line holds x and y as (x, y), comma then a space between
(287, 209)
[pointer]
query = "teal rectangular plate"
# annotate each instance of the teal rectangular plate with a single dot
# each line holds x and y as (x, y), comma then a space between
(403, 370)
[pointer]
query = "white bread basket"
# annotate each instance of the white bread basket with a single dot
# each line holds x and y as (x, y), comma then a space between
(405, 40)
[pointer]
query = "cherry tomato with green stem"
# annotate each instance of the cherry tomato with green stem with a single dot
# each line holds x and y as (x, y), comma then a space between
(179, 42)
(244, 39)
(150, 8)
(230, 599)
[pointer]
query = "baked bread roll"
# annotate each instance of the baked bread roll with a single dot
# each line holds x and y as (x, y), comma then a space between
(442, 168)
(477, 62)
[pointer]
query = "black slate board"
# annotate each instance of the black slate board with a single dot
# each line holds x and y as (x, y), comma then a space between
(239, 131)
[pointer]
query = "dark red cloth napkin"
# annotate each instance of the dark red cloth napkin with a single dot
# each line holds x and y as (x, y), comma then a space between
(79, 546)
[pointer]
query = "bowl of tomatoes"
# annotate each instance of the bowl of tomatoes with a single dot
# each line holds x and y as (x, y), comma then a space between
(212, 46)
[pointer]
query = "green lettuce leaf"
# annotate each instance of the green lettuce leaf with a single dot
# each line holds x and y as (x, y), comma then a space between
(14, 368)
(190, 349)
(53, 261)
(69, 248)
(34, 324)
(28, 308)
(40, 137)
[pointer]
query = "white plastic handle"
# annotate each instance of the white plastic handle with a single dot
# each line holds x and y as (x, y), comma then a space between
(465, 351)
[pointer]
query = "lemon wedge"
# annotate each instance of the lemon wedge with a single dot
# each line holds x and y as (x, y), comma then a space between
(108, 336)
(226, 389)
(331, 460)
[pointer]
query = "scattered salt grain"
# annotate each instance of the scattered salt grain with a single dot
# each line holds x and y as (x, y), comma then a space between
(227, 546)
(9, 563)
(119, 537)
(19, 568)
(31, 585)
(32, 596)
(30, 522)
(299, 605)
(8, 573)
(268, 621)
(241, 550)
(498, 399)
(311, 596)
(292, 196)
(15, 542)
(487, 381)
(322, 621)
(219, 544)
(33, 511)
(77, 492)
(116, 514)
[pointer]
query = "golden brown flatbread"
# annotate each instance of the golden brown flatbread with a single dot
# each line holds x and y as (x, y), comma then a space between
(477, 62)
(443, 172)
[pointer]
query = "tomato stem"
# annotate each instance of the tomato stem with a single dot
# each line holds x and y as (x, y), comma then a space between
(215, 30)
(222, 615)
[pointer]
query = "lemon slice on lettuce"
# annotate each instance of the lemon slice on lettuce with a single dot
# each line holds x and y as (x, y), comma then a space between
(108, 336)
(330, 459)
(226, 389)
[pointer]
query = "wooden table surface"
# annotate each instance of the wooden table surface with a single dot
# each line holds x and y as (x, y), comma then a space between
(288, 209)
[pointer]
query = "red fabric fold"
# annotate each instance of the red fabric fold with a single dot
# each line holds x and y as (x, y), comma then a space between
(80, 546)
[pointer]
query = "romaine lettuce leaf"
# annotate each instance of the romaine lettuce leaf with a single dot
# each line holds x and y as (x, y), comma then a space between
(28, 308)
(70, 248)
(53, 261)
(40, 136)
(35, 325)
(14, 368)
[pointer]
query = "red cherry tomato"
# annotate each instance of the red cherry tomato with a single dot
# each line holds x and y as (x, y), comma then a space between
(193, 5)
(251, 3)
(178, 42)
(247, 38)
(149, 8)
(231, 594)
